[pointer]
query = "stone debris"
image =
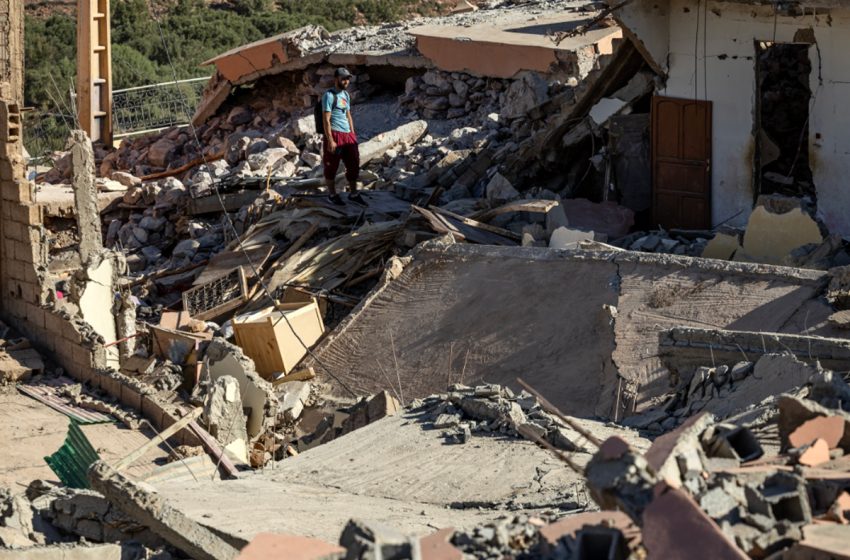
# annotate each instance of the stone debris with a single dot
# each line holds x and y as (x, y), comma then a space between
(728, 390)
(493, 409)
(219, 265)
(781, 231)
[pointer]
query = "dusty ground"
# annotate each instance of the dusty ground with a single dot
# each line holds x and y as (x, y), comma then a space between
(29, 431)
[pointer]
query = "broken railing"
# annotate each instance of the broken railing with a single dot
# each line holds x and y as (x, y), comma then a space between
(135, 110)
(149, 108)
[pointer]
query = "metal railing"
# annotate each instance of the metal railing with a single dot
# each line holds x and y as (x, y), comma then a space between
(135, 110)
(149, 108)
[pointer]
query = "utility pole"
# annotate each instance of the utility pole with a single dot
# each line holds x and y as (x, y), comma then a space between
(94, 69)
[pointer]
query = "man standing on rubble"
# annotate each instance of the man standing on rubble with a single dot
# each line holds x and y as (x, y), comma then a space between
(340, 143)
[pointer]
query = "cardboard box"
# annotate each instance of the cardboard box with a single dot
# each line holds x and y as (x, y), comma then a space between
(269, 336)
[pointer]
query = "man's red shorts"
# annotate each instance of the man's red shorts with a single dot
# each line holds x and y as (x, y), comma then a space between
(347, 151)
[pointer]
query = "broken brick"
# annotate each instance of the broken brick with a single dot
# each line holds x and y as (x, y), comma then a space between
(438, 546)
(292, 547)
(816, 454)
(828, 428)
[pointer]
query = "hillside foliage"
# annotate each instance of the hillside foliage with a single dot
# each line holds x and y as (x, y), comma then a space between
(152, 47)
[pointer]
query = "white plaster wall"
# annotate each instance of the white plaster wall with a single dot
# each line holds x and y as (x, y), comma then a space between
(96, 307)
(725, 55)
(647, 23)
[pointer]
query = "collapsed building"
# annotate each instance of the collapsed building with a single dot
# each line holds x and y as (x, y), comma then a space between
(492, 313)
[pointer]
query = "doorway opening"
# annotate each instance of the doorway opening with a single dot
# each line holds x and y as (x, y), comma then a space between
(782, 119)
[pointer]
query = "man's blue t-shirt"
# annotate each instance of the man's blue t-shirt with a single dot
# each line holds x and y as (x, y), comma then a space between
(339, 111)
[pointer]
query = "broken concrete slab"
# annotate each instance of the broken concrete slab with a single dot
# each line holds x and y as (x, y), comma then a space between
(156, 512)
(257, 394)
(224, 418)
(94, 288)
(565, 238)
(85, 551)
(776, 227)
(821, 542)
(686, 348)
(722, 246)
(375, 472)
(773, 374)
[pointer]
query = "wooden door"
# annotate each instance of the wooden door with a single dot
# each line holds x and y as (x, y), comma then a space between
(681, 163)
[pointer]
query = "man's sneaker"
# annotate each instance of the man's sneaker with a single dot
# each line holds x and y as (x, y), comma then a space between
(357, 198)
(335, 199)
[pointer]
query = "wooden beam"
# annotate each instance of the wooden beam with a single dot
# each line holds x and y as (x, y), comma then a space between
(163, 435)
(94, 70)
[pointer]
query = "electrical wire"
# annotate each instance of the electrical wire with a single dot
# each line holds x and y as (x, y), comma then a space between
(696, 55)
(229, 220)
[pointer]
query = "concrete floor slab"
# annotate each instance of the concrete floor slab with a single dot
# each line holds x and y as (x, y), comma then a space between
(392, 471)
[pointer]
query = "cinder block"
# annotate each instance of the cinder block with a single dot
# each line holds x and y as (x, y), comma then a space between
(88, 375)
(9, 247)
(13, 230)
(24, 252)
(70, 333)
(54, 323)
(35, 315)
(63, 349)
(14, 269)
(167, 419)
(82, 355)
(26, 213)
(6, 174)
(152, 411)
(29, 294)
(109, 385)
(130, 397)
(14, 305)
(28, 274)
(47, 340)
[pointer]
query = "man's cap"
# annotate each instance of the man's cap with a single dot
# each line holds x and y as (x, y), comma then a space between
(342, 73)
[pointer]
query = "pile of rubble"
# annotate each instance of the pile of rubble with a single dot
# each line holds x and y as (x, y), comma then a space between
(46, 514)
(493, 409)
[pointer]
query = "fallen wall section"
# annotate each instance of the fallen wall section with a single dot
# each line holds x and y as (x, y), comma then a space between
(582, 327)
